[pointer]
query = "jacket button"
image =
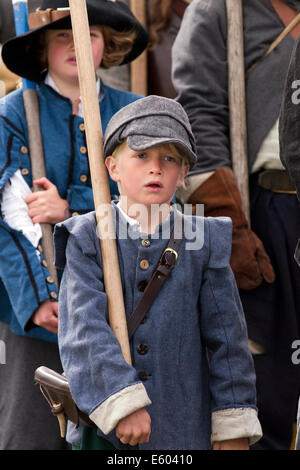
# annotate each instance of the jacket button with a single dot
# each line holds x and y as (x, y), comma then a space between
(144, 264)
(83, 150)
(44, 263)
(83, 178)
(25, 171)
(40, 248)
(24, 149)
(145, 243)
(142, 285)
(143, 375)
(53, 295)
(81, 126)
(50, 279)
(74, 214)
(142, 349)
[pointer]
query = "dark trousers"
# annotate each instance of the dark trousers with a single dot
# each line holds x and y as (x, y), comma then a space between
(273, 316)
(91, 441)
(26, 421)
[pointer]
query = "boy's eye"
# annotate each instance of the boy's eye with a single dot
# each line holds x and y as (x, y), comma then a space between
(170, 159)
(141, 155)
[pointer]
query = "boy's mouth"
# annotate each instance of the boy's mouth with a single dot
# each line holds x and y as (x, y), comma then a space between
(154, 185)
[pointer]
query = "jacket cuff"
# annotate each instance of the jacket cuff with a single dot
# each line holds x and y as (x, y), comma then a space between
(117, 406)
(236, 423)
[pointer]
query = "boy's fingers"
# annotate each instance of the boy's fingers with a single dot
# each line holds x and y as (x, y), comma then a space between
(133, 440)
(124, 439)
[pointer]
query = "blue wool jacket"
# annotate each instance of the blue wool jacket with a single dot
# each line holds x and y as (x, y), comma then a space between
(24, 281)
(191, 353)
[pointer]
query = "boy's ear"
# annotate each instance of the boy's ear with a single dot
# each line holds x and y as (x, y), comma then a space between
(184, 172)
(111, 165)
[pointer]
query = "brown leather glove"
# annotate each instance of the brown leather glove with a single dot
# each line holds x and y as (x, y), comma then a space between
(221, 197)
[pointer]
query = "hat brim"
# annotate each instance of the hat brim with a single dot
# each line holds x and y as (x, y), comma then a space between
(142, 142)
(16, 51)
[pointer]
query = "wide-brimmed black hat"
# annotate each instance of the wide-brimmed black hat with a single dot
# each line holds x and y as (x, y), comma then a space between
(21, 59)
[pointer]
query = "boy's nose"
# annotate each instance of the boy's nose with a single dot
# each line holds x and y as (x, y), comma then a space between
(155, 168)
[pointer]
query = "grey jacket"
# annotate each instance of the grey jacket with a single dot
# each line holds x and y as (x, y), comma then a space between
(200, 76)
(289, 120)
(190, 358)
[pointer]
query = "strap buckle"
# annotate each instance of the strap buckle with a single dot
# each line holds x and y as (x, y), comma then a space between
(164, 260)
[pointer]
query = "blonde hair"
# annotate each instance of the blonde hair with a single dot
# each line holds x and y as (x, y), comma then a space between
(178, 153)
(118, 149)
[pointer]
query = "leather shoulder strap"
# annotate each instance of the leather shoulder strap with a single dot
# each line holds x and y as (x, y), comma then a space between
(160, 275)
(290, 18)
(287, 15)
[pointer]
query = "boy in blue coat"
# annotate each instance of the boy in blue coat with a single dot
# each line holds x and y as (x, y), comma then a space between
(192, 383)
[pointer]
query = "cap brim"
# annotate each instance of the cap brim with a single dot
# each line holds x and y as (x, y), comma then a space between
(142, 142)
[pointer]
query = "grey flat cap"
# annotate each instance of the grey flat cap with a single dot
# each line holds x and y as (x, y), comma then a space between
(149, 122)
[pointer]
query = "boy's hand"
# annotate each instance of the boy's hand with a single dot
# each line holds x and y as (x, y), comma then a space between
(47, 206)
(47, 316)
(232, 444)
(135, 428)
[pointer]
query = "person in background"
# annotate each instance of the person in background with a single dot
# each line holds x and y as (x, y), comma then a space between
(262, 256)
(163, 23)
(164, 19)
(290, 156)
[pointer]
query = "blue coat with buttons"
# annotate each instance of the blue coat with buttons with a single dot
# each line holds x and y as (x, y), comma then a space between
(24, 281)
(191, 353)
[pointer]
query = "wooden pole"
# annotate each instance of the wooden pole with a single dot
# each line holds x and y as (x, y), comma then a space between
(38, 170)
(100, 184)
(237, 99)
(138, 67)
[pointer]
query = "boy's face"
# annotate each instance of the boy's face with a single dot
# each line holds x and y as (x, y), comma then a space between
(147, 177)
(61, 52)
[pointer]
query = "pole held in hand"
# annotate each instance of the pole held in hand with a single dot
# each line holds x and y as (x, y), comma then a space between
(99, 176)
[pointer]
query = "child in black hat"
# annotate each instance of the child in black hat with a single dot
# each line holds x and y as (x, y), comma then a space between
(191, 384)
(28, 295)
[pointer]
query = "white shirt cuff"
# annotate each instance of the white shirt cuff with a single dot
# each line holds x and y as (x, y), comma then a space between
(236, 423)
(15, 210)
(119, 405)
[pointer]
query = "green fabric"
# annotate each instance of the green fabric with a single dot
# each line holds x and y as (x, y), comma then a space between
(90, 441)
